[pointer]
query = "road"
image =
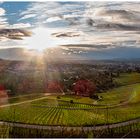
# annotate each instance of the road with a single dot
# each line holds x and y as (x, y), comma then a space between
(101, 127)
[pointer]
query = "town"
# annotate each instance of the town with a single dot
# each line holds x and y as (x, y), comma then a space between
(58, 76)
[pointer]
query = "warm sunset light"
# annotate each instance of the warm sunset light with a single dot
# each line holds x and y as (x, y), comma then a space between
(41, 39)
(70, 69)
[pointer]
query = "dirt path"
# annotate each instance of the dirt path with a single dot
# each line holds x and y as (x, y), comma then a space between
(101, 127)
(68, 108)
(27, 101)
(103, 106)
(19, 96)
(107, 106)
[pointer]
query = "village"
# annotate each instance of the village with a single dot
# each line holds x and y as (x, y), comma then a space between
(83, 79)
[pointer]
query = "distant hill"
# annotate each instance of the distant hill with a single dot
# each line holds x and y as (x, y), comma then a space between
(22, 54)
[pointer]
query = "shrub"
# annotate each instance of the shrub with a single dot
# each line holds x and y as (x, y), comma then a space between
(71, 101)
(58, 97)
(94, 96)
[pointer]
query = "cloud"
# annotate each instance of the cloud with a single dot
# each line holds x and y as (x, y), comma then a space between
(51, 19)
(131, 52)
(3, 18)
(117, 26)
(101, 46)
(66, 34)
(10, 43)
(85, 47)
(2, 12)
(17, 34)
(43, 12)
(40, 11)
(27, 16)
(80, 13)
(20, 25)
(119, 15)
(77, 25)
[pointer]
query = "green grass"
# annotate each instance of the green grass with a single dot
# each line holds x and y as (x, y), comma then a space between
(53, 111)
(128, 78)
(21, 98)
(120, 95)
(74, 98)
(4, 131)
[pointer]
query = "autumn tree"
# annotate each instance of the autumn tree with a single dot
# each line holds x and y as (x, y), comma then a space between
(84, 87)
(54, 86)
(3, 95)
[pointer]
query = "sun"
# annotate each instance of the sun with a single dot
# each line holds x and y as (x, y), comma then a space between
(41, 39)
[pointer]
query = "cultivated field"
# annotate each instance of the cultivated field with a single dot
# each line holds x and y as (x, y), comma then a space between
(118, 105)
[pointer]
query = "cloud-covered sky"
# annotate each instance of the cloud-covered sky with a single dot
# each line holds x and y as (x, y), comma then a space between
(98, 30)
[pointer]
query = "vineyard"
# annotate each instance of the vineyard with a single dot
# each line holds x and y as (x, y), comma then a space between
(118, 105)
(53, 111)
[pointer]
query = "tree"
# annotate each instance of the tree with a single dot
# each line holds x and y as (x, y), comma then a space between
(3, 94)
(2, 87)
(71, 101)
(84, 87)
(55, 86)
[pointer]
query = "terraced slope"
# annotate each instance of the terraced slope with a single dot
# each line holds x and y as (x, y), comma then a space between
(118, 105)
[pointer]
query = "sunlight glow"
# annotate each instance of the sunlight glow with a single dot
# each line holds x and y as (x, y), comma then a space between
(42, 39)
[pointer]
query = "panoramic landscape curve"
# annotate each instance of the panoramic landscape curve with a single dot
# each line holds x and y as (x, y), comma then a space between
(69, 69)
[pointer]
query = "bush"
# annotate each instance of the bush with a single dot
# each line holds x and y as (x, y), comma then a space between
(71, 101)
(58, 97)
(94, 96)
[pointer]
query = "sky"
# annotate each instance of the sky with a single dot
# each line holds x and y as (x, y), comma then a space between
(73, 30)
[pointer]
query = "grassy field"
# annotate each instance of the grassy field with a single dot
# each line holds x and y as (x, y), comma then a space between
(75, 98)
(128, 79)
(20, 98)
(118, 105)
(120, 95)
